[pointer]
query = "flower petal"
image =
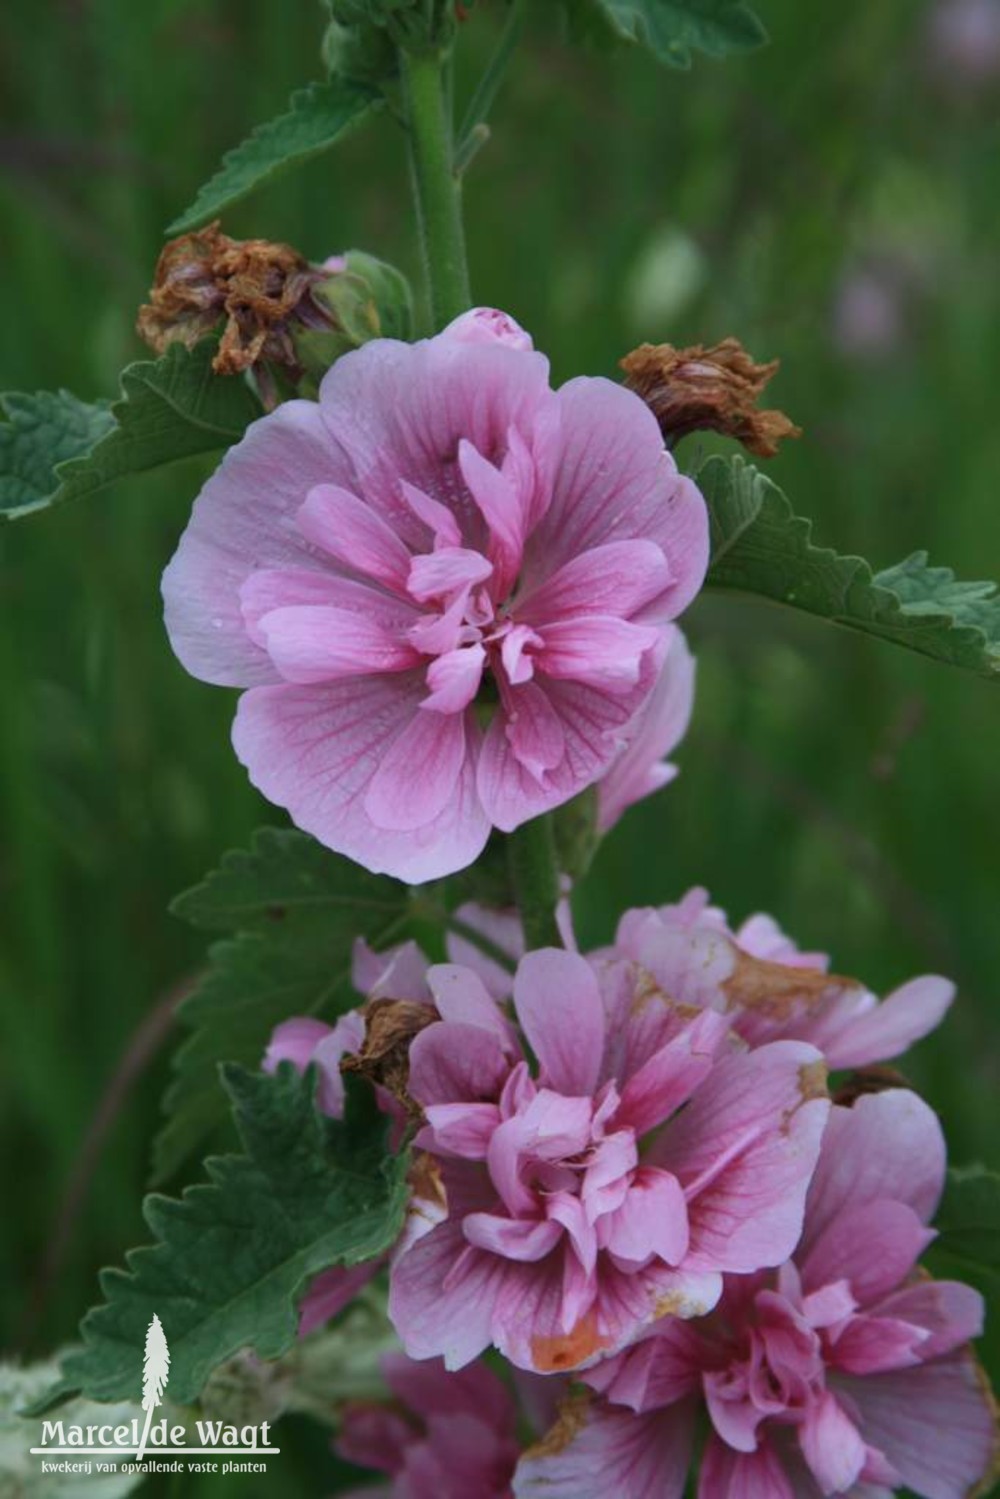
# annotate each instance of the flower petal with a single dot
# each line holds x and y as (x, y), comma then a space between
(559, 1006)
(418, 773)
(614, 482)
(314, 643)
(888, 1145)
(596, 1451)
(315, 751)
(349, 530)
(744, 1150)
(245, 514)
(935, 1423)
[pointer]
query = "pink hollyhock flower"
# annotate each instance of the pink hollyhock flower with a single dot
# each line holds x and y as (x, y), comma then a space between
(846, 1372)
(658, 728)
(447, 1436)
(648, 1155)
(769, 989)
(445, 587)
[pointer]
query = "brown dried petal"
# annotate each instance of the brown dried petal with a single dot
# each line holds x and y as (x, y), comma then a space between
(384, 1058)
(714, 389)
(258, 287)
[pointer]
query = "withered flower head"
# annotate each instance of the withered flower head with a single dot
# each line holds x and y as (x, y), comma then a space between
(716, 389)
(384, 1058)
(261, 290)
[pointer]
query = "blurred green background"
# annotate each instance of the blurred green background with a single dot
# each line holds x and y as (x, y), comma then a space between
(831, 200)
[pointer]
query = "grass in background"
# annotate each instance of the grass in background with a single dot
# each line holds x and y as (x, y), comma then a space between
(844, 786)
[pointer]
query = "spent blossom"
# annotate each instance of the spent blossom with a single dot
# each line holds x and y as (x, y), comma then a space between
(647, 1156)
(446, 588)
(846, 1371)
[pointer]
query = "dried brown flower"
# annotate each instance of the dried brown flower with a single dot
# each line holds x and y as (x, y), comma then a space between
(261, 290)
(384, 1058)
(715, 389)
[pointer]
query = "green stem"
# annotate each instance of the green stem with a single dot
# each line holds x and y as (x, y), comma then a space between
(436, 187)
(489, 85)
(534, 872)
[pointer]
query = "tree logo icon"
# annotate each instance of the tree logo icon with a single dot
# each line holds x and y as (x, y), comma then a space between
(155, 1369)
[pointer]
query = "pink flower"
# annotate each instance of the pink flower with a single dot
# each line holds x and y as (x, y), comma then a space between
(659, 726)
(690, 950)
(846, 1372)
(648, 1155)
(302, 1040)
(445, 586)
(447, 1436)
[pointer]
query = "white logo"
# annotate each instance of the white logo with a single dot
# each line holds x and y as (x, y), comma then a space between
(111, 1443)
(155, 1368)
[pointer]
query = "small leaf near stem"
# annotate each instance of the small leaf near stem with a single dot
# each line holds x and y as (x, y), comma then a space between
(534, 871)
(436, 187)
(473, 133)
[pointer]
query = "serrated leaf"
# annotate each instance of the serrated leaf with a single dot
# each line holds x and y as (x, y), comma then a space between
(760, 546)
(56, 448)
(296, 908)
(42, 431)
(233, 1255)
(673, 29)
(317, 117)
(968, 1220)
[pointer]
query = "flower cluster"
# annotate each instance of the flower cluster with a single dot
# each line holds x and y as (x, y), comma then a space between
(448, 592)
(638, 1180)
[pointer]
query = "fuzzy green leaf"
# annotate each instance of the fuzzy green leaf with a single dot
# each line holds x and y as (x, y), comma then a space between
(233, 1255)
(760, 546)
(673, 29)
(56, 448)
(968, 1220)
(296, 909)
(317, 117)
(41, 432)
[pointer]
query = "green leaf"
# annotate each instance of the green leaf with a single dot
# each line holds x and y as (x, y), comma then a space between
(297, 909)
(233, 1255)
(317, 117)
(41, 432)
(673, 29)
(759, 546)
(968, 1220)
(56, 448)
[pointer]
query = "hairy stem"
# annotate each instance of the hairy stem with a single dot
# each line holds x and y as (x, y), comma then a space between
(534, 871)
(436, 187)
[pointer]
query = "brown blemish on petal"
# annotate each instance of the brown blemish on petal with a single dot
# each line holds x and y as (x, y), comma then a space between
(812, 1080)
(778, 991)
(567, 1350)
(570, 1421)
(714, 389)
(384, 1058)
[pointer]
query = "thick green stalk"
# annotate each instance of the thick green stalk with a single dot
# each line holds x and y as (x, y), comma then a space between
(534, 871)
(436, 187)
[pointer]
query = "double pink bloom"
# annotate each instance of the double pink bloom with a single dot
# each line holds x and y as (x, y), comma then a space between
(612, 1187)
(447, 588)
